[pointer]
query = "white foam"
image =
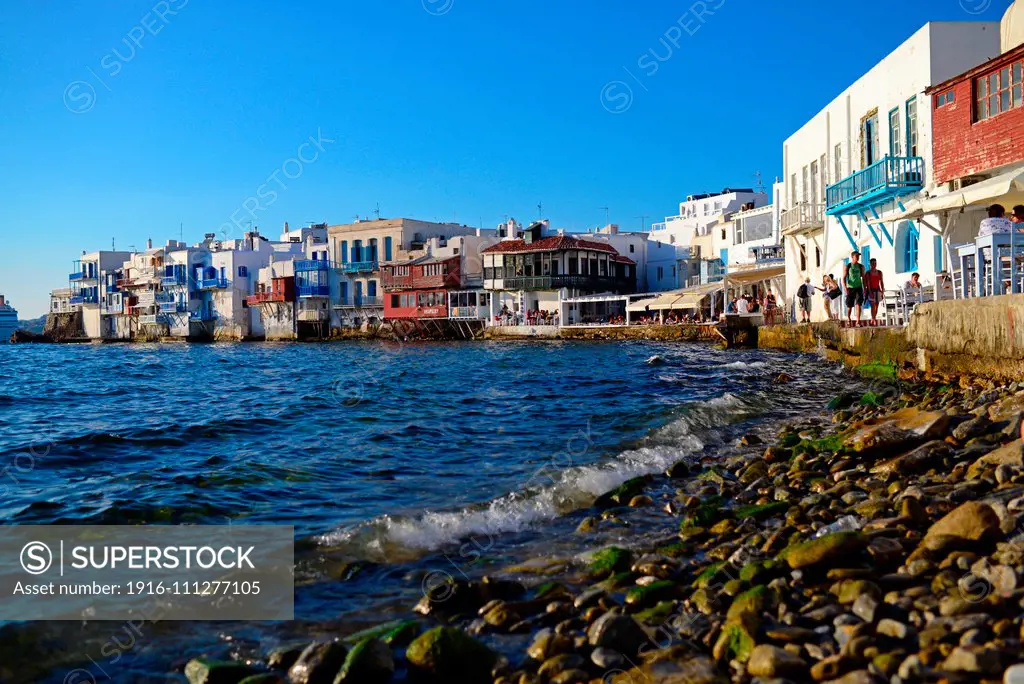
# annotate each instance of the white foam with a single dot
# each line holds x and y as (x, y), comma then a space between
(741, 365)
(545, 495)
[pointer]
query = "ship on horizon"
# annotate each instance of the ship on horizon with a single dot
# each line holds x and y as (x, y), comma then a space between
(8, 320)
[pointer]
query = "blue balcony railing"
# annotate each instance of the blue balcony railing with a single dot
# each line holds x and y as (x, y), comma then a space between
(91, 298)
(361, 267)
(883, 181)
(212, 283)
(77, 275)
(314, 290)
(202, 316)
(314, 265)
(174, 279)
(173, 307)
(76, 300)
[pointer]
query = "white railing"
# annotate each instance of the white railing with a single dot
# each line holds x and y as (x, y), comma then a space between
(802, 216)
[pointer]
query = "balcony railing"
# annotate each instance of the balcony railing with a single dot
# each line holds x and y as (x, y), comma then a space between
(112, 309)
(314, 315)
(360, 302)
(804, 216)
(175, 279)
(202, 316)
(314, 290)
(173, 307)
(212, 283)
(360, 267)
(77, 275)
(768, 254)
(266, 298)
(314, 265)
(560, 281)
(885, 180)
(153, 319)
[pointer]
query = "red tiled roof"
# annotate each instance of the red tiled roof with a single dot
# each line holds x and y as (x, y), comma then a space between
(621, 259)
(549, 244)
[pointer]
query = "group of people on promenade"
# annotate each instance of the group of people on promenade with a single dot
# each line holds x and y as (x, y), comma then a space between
(507, 317)
(767, 305)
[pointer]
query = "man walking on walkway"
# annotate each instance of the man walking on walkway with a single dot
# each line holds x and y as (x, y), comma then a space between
(874, 285)
(853, 278)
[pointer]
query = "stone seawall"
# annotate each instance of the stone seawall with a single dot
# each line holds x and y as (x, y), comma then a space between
(981, 337)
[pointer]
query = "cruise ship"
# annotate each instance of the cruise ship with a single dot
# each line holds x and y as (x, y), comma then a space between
(8, 320)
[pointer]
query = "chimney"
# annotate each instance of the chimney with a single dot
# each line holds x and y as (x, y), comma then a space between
(286, 226)
(149, 243)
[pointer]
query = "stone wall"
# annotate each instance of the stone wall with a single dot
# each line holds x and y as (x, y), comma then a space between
(982, 337)
(659, 333)
(63, 327)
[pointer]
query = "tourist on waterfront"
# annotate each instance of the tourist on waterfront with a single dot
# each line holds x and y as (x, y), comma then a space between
(733, 307)
(743, 305)
(853, 278)
(912, 286)
(875, 285)
(831, 294)
(804, 295)
(1017, 217)
(771, 306)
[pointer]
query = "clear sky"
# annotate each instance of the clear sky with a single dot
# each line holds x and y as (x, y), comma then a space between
(125, 119)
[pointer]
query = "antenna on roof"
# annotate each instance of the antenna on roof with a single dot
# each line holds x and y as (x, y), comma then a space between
(643, 221)
(376, 212)
(760, 184)
(113, 245)
(607, 215)
(540, 210)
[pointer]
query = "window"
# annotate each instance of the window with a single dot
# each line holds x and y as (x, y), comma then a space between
(243, 272)
(814, 181)
(806, 184)
(817, 257)
(895, 143)
(997, 92)
(943, 99)
(371, 288)
(632, 249)
(661, 273)
(912, 127)
(387, 249)
(803, 257)
(344, 251)
(907, 239)
(792, 190)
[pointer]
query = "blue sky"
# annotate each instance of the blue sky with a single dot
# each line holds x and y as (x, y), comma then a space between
(123, 119)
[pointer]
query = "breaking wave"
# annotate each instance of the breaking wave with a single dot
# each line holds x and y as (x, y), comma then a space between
(555, 489)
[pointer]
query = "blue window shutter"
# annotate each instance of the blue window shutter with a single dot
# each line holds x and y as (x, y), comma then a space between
(344, 291)
(913, 238)
(344, 251)
(387, 249)
(937, 243)
(371, 288)
(865, 256)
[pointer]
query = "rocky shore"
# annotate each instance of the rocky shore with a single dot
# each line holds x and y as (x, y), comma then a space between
(881, 541)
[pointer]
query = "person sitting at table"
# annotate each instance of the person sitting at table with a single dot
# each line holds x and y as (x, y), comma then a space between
(913, 286)
(1017, 217)
(996, 222)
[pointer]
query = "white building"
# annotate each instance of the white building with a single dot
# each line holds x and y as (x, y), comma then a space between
(867, 153)
(356, 251)
(94, 278)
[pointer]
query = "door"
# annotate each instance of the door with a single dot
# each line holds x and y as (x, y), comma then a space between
(358, 294)
(871, 140)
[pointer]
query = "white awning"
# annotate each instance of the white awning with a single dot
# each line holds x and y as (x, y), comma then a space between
(1006, 189)
(689, 298)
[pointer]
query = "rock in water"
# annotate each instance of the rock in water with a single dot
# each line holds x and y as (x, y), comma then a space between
(451, 655)
(370, 662)
(655, 361)
(210, 671)
(318, 664)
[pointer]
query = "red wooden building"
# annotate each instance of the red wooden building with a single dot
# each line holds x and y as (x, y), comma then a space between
(978, 120)
(281, 290)
(418, 289)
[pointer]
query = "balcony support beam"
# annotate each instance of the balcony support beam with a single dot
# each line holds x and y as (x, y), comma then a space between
(849, 236)
(867, 222)
(881, 223)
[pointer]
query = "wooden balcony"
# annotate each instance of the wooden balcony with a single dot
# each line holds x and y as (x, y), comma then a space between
(803, 218)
